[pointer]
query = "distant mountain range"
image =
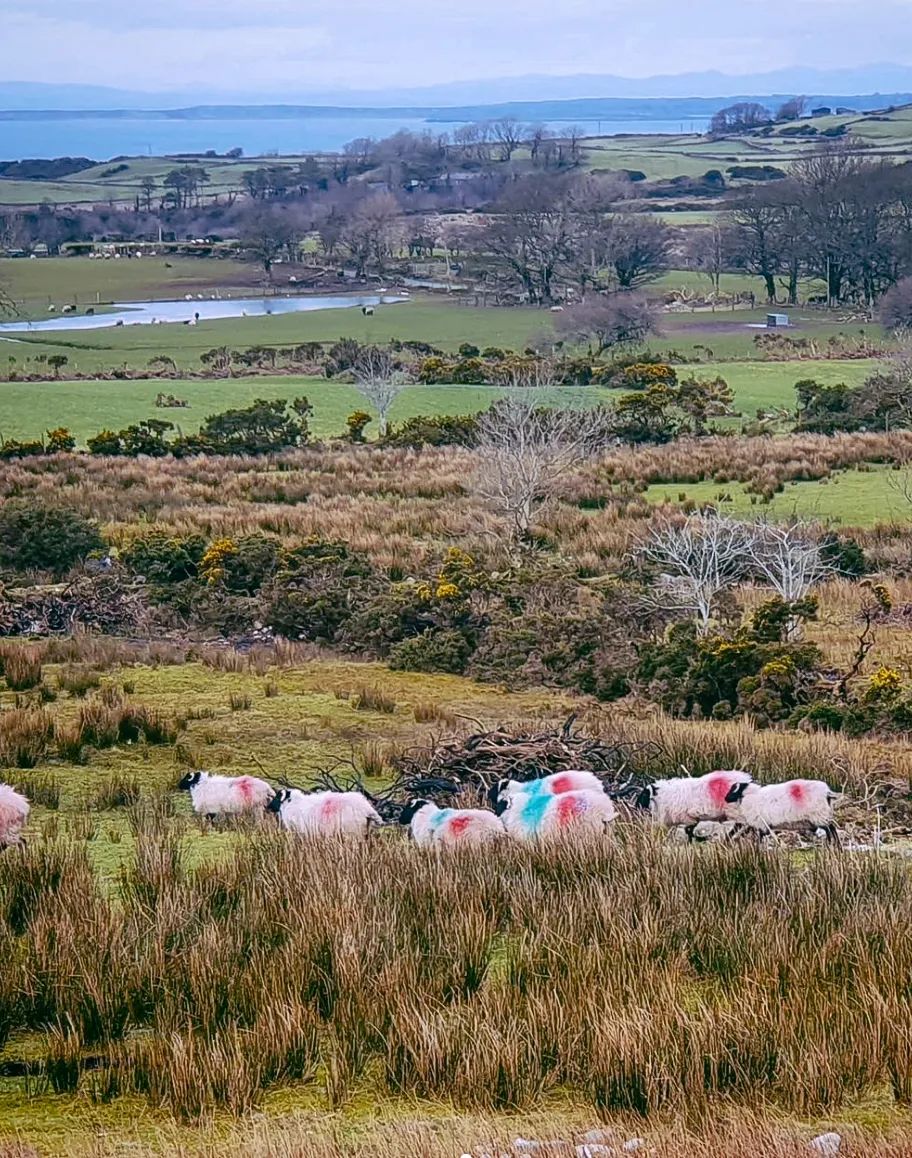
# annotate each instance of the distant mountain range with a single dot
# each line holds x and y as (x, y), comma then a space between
(626, 111)
(883, 81)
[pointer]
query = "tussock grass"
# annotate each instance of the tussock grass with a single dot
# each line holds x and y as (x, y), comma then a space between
(21, 667)
(372, 699)
(646, 979)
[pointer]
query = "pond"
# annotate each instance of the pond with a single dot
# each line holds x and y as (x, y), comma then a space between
(196, 309)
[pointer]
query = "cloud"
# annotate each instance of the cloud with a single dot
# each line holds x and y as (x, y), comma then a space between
(300, 45)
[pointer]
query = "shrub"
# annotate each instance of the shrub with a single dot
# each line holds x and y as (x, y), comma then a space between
(163, 558)
(846, 556)
(434, 430)
(240, 566)
(60, 440)
(444, 651)
(320, 584)
(356, 423)
(896, 306)
(34, 536)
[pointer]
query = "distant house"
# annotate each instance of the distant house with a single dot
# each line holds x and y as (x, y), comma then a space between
(842, 111)
(823, 111)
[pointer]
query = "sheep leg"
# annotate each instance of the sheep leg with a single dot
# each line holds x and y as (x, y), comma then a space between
(690, 831)
(832, 835)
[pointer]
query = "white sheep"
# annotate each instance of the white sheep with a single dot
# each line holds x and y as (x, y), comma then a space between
(527, 817)
(324, 813)
(214, 796)
(687, 801)
(14, 811)
(799, 805)
(450, 826)
(572, 780)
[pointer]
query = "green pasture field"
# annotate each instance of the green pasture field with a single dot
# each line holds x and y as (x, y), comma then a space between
(89, 186)
(27, 409)
(436, 322)
(83, 281)
(851, 498)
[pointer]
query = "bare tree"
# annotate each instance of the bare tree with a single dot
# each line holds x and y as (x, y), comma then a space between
(793, 109)
(379, 382)
(786, 557)
(607, 321)
(699, 558)
(638, 248)
(508, 136)
(524, 451)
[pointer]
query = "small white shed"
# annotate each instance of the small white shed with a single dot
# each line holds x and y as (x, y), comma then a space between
(777, 321)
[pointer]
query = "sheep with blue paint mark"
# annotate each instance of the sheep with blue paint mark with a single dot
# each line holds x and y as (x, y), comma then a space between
(324, 813)
(214, 796)
(573, 780)
(432, 825)
(544, 815)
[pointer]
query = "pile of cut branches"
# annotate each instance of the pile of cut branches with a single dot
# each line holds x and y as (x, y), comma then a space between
(105, 603)
(445, 771)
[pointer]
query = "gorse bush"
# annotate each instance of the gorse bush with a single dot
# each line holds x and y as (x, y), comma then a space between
(37, 537)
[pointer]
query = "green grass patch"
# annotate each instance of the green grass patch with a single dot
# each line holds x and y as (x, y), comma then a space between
(852, 498)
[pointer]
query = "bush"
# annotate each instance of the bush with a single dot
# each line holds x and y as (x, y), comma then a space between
(163, 558)
(443, 651)
(845, 555)
(896, 306)
(243, 566)
(36, 537)
(433, 430)
(356, 423)
(320, 584)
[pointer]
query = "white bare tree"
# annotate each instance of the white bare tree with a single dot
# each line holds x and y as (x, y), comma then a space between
(787, 558)
(699, 558)
(525, 449)
(379, 382)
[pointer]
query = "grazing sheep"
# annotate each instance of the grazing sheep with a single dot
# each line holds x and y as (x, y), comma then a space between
(553, 785)
(687, 801)
(432, 825)
(800, 805)
(324, 813)
(544, 815)
(214, 796)
(367, 311)
(14, 811)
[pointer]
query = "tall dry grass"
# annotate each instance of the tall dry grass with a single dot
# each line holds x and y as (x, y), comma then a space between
(644, 979)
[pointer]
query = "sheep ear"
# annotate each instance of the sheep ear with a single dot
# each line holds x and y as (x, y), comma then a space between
(735, 794)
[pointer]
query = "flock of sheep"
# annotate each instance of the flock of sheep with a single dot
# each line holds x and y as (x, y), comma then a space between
(564, 802)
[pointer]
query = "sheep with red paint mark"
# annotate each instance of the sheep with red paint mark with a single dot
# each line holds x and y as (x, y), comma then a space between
(540, 815)
(214, 796)
(14, 812)
(324, 813)
(797, 805)
(432, 825)
(686, 801)
(557, 783)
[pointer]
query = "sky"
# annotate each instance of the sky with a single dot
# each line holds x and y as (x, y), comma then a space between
(268, 46)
